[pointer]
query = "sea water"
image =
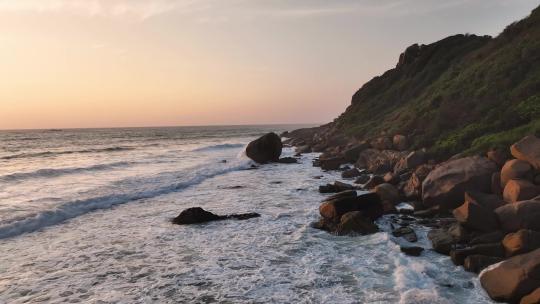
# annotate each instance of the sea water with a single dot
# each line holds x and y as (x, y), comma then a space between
(85, 217)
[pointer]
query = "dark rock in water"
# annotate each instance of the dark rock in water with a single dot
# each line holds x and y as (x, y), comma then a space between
(362, 179)
(374, 181)
(492, 237)
(332, 163)
(494, 250)
(369, 204)
(406, 233)
(318, 177)
(336, 187)
(265, 149)
(387, 192)
(355, 222)
(512, 279)
(233, 187)
(458, 233)
(276, 182)
(348, 193)
(288, 160)
(350, 173)
(476, 263)
(441, 240)
(197, 215)
(412, 251)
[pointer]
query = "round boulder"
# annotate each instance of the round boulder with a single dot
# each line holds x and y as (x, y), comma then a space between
(266, 148)
(515, 169)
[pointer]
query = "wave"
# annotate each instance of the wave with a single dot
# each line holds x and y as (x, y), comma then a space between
(218, 147)
(45, 173)
(55, 153)
(77, 208)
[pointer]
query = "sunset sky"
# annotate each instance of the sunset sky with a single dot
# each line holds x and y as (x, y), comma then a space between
(112, 63)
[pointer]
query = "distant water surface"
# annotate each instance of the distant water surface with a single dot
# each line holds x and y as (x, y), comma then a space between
(85, 218)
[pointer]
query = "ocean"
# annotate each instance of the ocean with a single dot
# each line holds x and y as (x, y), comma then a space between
(85, 217)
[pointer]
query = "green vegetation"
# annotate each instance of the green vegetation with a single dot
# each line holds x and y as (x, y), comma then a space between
(463, 93)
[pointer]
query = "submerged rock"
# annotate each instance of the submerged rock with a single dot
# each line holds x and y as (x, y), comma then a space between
(288, 160)
(355, 222)
(412, 250)
(266, 148)
(198, 215)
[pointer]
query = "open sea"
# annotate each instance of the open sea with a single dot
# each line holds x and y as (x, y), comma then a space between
(85, 217)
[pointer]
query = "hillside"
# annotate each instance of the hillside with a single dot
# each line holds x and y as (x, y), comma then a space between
(463, 93)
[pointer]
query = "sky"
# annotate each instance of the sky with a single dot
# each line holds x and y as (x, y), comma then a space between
(134, 63)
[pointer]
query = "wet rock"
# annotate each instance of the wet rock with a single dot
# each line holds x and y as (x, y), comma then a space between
(412, 251)
(369, 204)
(266, 148)
(476, 263)
(441, 241)
(520, 190)
(332, 163)
(521, 242)
(362, 179)
(387, 192)
(406, 233)
(493, 250)
(515, 169)
(374, 181)
(391, 178)
(197, 215)
(337, 186)
(528, 149)
(458, 233)
(303, 149)
(446, 185)
(350, 173)
(532, 298)
(519, 215)
(491, 237)
(288, 160)
(512, 279)
(355, 222)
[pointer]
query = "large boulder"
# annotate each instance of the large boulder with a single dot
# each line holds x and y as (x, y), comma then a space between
(519, 215)
(355, 222)
(520, 190)
(515, 169)
(446, 184)
(266, 148)
(528, 149)
(441, 240)
(369, 204)
(378, 162)
(493, 250)
(477, 262)
(410, 162)
(351, 154)
(488, 201)
(332, 163)
(511, 280)
(413, 187)
(472, 215)
(532, 298)
(387, 192)
(400, 142)
(521, 242)
(336, 187)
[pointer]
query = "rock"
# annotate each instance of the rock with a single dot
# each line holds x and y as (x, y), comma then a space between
(441, 240)
(388, 207)
(400, 142)
(332, 163)
(493, 250)
(515, 169)
(488, 201)
(369, 204)
(387, 192)
(378, 162)
(412, 251)
(347, 193)
(497, 156)
(476, 217)
(391, 178)
(337, 186)
(536, 180)
(528, 149)
(355, 222)
(512, 279)
(521, 242)
(532, 298)
(197, 215)
(381, 143)
(288, 160)
(410, 162)
(413, 187)
(351, 154)
(362, 179)
(519, 215)
(266, 148)
(406, 233)
(303, 149)
(476, 262)
(458, 233)
(520, 190)
(351, 173)
(374, 181)
(446, 185)
(491, 237)
(496, 184)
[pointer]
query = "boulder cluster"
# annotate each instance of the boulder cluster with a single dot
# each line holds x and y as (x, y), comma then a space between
(491, 203)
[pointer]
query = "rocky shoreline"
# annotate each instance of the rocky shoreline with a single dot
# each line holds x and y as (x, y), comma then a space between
(483, 210)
